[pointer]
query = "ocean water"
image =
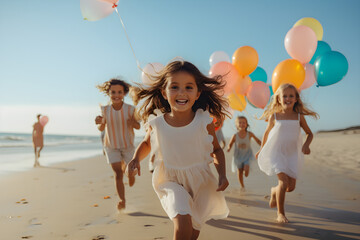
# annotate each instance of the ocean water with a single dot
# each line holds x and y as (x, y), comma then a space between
(17, 153)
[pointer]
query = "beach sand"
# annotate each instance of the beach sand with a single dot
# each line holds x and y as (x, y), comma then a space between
(66, 201)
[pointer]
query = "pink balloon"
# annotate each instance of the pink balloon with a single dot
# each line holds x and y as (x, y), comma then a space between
(228, 72)
(258, 94)
(242, 85)
(93, 10)
(301, 43)
(309, 76)
(44, 120)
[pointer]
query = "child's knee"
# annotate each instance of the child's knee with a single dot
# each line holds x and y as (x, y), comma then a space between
(283, 185)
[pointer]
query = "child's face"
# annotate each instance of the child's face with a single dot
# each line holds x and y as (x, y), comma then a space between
(241, 123)
(181, 91)
(116, 94)
(288, 98)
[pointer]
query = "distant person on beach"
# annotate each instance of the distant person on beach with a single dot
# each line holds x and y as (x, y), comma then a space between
(282, 150)
(118, 123)
(38, 139)
(243, 153)
(183, 136)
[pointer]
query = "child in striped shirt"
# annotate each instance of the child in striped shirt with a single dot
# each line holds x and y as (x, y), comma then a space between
(118, 122)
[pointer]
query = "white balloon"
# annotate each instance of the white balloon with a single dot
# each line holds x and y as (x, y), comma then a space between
(149, 71)
(218, 56)
(93, 10)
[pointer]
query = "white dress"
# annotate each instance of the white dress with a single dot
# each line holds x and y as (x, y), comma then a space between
(182, 177)
(282, 150)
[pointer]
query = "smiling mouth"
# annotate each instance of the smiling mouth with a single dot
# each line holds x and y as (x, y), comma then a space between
(181, 102)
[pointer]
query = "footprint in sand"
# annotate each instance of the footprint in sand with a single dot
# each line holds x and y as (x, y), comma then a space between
(26, 237)
(99, 237)
(148, 225)
(34, 222)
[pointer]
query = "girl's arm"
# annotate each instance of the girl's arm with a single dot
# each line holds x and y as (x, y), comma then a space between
(133, 122)
(232, 140)
(141, 152)
(309, 135)
(255, 138)
(219, 159)
(270, 125)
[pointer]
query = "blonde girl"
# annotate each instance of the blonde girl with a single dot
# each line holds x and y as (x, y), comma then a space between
(118, 122)
(182, 137)
(243, 153)
(282, 150)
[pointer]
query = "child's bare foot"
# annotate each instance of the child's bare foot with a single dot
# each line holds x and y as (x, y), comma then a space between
(272, 202)
(281, 218)
(242, 189)
(131, 180)
(121, 205)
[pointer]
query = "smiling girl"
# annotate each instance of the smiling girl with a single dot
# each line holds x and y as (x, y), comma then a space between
(282, 150)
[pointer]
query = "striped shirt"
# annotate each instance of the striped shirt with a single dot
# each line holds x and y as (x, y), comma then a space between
(118, 135)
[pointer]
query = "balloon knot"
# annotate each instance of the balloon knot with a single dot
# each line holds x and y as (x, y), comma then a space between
(114, 6)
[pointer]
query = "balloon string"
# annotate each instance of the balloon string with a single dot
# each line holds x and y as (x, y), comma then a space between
(128, 39)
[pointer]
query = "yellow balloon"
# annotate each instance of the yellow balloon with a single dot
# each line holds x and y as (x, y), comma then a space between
(313, 24)
(288, 71)
(237, 101)
(245, 59)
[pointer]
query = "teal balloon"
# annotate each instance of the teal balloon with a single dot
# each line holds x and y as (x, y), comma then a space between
(258, 75)
(271, 92)
(322, 47)
(330, 68)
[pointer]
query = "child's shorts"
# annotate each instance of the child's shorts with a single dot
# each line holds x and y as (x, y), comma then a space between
(118, 155)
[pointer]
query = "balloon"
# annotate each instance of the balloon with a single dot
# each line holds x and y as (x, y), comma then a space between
(94, 10)
(288, 71)
(149, 71)
(258, 94)
(245, 59)
(247, 100)
(237, 102)
(271, 90)
(322, 48)
(228, 72)
(312, 23)
(44, 120)
(330, 68)
(300, 43)
(258, 75)
(309, 76)
(242, 85)
(218, 56)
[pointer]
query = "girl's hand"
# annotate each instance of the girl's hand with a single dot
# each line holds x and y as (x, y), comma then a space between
(133, 168)
(223, 183)
(306, 149)
(228, 149)
(100, 120)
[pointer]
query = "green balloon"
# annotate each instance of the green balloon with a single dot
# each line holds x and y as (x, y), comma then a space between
(330, 68)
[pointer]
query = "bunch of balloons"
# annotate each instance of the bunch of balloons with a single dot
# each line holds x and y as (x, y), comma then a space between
(312, 59)
(242, 77)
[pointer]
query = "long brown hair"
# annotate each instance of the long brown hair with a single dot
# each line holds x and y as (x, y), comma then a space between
(209, 99)
(275, 105)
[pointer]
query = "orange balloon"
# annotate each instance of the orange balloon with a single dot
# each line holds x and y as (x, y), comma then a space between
(242, 85)
(245, 59)
(288, 71)
(237, 101)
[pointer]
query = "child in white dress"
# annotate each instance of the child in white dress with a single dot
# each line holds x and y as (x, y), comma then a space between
(282, 150)
(182, 137)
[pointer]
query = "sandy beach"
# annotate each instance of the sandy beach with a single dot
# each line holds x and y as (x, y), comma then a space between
(77, 200)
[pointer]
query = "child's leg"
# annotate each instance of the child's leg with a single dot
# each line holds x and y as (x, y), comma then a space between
(118, 172)
(195, 234)
(283, 184)
(240, 175)
(183, 229)
(39, 151)
(246, 169)
(292, 184)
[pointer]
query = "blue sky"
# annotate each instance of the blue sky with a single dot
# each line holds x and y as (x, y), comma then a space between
(51, 59)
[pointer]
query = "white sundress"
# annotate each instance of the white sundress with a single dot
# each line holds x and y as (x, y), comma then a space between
(282, 150)
(182, 176)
